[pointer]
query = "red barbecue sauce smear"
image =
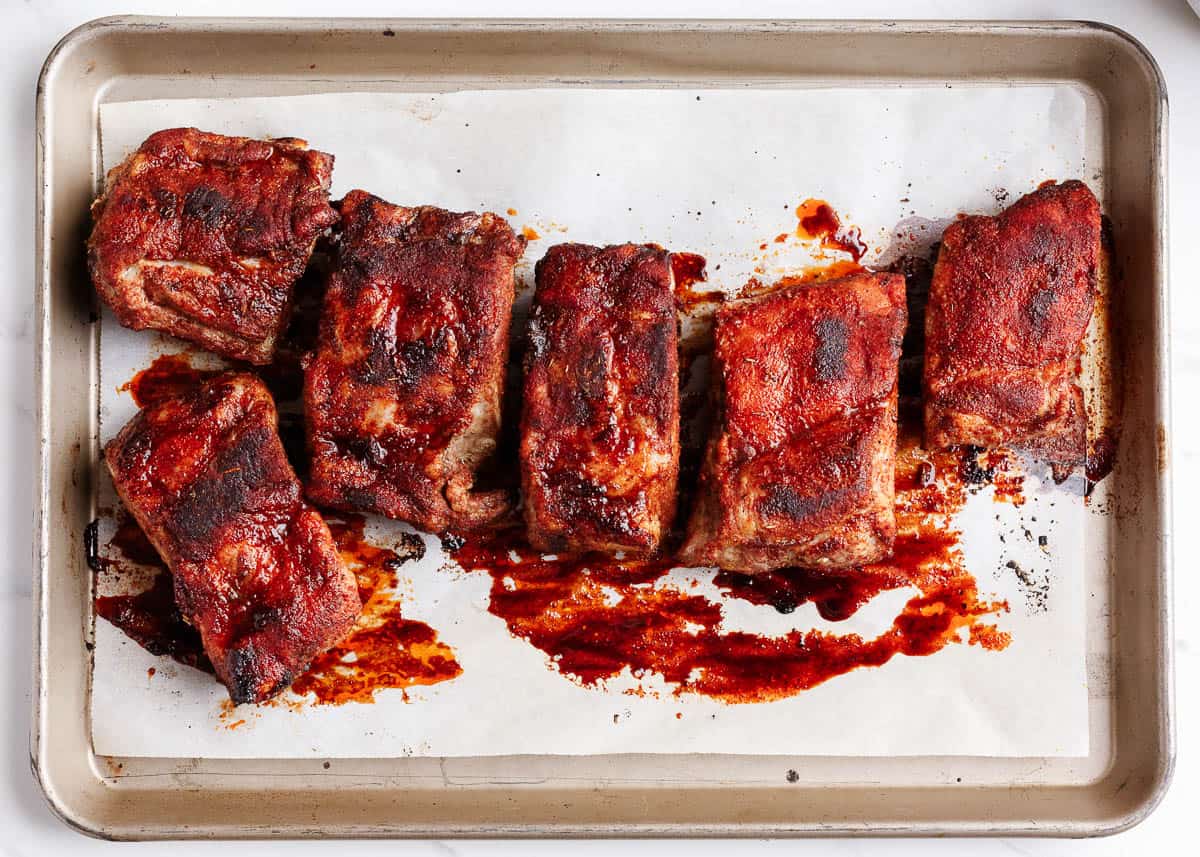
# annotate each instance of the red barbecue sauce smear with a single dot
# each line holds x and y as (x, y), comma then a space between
(150, 617)
(806, 277)
(818, 220)
(689, 269)
(169, 375)
(385, 649)
(566, 606)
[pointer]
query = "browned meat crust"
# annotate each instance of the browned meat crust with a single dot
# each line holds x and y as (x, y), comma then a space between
(256, 569)
(402, 396)
(1008, 309)
(800, 467)
(202, 236)
(600, 427)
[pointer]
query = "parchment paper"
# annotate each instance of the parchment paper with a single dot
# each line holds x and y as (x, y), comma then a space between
(717, 172)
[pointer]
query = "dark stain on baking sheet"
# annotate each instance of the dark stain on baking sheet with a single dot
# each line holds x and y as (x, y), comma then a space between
(385, 649)
(595, 617)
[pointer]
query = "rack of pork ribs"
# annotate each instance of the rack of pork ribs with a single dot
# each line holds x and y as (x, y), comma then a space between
(204, 236)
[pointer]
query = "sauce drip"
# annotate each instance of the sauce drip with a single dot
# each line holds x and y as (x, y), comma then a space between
(689, 269)
(150, 617)
(1101, 457)
(596, 617)
(818, 221)
(168, 376)
(385, 650)
(806, 277)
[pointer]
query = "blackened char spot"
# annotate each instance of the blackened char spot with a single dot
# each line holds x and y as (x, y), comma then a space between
(1040, 306)
(419, 359)
(829, 360)
(167, 202)
(264, 616)
(205, 204)
(653, 372)
(249, 680)
(785, 502)
(366, 449)
(244, 674)
(240, 479)
(591, 384)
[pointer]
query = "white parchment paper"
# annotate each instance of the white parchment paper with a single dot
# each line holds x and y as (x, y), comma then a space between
(718, 172)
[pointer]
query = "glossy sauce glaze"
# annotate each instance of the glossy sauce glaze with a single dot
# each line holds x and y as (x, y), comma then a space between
(595, 617)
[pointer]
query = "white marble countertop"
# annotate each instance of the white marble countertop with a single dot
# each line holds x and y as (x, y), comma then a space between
(1167, 27)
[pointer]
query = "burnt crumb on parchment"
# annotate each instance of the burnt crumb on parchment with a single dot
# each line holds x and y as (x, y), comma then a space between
(1035, 585)
(793, 776)
(407, 547)
(452, 542)
(972, 472)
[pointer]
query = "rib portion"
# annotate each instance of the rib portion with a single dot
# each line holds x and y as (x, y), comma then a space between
(600, 427)
(256, 569)
(202, 236)
(1009, 306)
(402, 396)
(800, 467)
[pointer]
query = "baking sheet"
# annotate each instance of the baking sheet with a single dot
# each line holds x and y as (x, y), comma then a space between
(711, 171)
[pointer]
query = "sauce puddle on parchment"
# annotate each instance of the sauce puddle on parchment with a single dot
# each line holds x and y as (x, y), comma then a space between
(817, 220)
(595, 618)
(385, 650)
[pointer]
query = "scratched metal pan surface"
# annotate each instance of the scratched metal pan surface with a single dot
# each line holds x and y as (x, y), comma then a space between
(1129, 625)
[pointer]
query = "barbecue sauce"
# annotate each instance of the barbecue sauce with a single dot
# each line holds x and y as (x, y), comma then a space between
(168, 376)
(595, 617)
(385, 650)
(818, 221)
(150, 618)
(689, 269)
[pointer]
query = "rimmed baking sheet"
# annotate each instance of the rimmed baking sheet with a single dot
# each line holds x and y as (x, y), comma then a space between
(1130, 746)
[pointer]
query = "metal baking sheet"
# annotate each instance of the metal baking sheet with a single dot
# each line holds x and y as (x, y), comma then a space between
(1129, 623)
